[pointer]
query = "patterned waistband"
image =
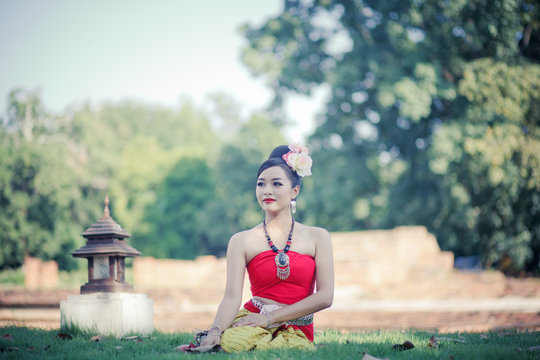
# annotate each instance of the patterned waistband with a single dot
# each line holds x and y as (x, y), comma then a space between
(301, 321)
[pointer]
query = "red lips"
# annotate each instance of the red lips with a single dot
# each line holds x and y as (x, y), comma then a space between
(268, 200)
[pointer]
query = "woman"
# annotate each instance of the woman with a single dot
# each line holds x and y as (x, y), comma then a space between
(284, 260)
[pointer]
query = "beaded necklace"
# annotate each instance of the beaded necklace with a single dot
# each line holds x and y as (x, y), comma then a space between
(281, 259)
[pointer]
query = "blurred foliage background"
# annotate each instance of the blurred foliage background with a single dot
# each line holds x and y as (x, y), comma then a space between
(432, 119)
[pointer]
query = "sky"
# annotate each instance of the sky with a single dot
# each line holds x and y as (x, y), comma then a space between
(154, 51)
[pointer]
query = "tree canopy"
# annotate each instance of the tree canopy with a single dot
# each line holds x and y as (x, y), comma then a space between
(172, 178)
(432, 118)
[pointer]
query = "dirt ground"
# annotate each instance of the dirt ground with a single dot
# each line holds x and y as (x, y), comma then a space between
(466, 302)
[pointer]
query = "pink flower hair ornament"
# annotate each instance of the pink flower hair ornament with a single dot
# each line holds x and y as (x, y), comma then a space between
(298, 160)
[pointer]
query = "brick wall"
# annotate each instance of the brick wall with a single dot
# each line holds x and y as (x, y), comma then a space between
(40, 274)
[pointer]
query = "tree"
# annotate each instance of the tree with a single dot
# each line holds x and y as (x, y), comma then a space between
(169, 174)
(173, 218)
(40, 210)
(132, 147)
(489, 166)
(400, 78)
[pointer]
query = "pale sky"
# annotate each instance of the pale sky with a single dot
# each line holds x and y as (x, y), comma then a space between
(154, 51)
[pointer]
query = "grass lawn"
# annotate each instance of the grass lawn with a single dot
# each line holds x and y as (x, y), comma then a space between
(28, 343)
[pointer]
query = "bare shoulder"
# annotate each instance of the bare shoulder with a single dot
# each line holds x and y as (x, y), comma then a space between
(322, 243)
(240, 239)
(317, 233)
(242, 244)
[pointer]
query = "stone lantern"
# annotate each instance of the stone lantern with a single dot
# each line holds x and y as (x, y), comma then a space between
(106, 251)
(107, 304)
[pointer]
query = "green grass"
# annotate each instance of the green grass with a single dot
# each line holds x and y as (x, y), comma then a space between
(28, 343)
(12, 278)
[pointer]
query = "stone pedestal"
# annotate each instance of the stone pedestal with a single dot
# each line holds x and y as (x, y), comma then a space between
(115, 314)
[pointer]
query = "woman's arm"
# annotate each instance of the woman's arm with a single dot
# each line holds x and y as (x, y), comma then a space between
(321, 299)
(228, 308)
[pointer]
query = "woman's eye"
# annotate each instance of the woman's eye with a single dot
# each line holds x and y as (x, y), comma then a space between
(277, 184)
(260, 183)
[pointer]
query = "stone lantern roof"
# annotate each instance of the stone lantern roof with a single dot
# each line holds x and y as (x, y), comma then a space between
(105, 237)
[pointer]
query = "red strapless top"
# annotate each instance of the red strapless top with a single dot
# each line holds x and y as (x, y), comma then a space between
(265, 283)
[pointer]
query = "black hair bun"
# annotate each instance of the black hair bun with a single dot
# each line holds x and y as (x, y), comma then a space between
(279, 151)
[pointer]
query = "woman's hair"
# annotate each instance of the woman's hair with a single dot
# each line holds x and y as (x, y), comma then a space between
(276, 159)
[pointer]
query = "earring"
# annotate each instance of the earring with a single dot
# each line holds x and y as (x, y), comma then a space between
(293, 206)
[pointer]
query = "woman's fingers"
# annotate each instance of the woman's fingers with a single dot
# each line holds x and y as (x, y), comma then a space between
(251, 320)
(210, 340)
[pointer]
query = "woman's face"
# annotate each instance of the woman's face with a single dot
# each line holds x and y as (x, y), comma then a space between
(274, 189)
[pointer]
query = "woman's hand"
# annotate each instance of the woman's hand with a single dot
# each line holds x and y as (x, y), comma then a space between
(212, 338)
(256, 319)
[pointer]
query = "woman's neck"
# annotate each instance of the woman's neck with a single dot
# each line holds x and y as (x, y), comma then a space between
(279, 223)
